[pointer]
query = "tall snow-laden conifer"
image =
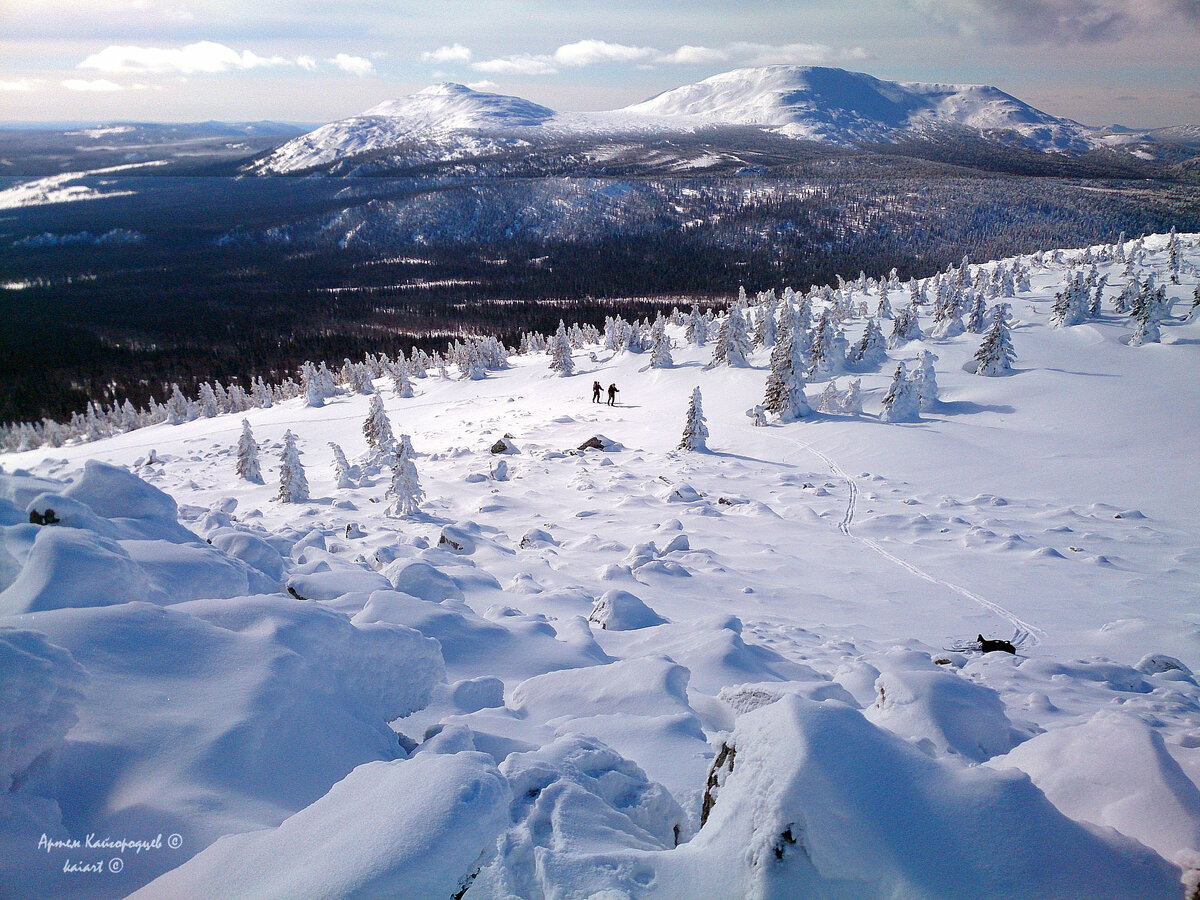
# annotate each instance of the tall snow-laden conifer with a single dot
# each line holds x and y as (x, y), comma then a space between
(247, 456)
(660, 349)
(560, 352)
(377, 429)
(784, 393)
(995, 355)
(732, 345)
(293, 486)
(695, 432)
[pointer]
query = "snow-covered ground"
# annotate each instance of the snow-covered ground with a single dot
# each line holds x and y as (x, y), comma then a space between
(322, 700)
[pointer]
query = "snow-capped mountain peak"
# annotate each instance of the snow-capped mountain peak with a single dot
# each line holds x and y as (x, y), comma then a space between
(456, 106)
(428, 115)
(842, 107)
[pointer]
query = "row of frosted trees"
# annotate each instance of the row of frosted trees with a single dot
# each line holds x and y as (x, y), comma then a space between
(385, 452)
(962, 299)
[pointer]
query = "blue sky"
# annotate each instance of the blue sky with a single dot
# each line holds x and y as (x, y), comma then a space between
(1131, 61)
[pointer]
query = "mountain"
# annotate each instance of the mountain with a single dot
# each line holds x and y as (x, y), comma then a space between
(847, 108)
(809, 103)
(435, 115)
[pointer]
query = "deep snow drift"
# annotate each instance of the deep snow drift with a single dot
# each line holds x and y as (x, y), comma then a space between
(634, 670)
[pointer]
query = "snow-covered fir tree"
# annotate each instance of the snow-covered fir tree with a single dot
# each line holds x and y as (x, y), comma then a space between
(871, 350)
(247, 456)
(924, 378)
(695, 332)
(405, 490)
(660, 348)
(559, 351)
(732, 346)
(695, 432)
(901, 403)
(293, 486)
(1149, 308)
(784, 394)
(207, 403)
(996, 354)
(376, 428)
(404, 447)
(827, 355)
(179, 410)
(830, 400)
(401, 383)
(977, 318)
(342, 478)
(1173, 256)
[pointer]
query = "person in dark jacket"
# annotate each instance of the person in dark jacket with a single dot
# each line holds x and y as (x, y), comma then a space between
(596, 389)
(612, 394)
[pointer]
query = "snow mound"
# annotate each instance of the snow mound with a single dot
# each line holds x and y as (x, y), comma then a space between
(216, 716)
(939, 711)
(1115, 770)
(575, 803)
(622, 611)
(821, 803)
(407, 828)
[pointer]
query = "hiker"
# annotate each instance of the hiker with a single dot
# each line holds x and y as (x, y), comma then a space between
(612, 394)
(596, 389)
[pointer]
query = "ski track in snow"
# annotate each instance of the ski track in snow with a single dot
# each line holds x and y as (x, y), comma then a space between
(847, 520)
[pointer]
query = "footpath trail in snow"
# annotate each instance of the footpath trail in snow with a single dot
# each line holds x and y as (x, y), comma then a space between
(1016, 621)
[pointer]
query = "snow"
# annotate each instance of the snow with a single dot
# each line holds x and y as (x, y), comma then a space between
(524, 687)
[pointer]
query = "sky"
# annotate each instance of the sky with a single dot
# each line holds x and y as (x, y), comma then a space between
(1134, 62)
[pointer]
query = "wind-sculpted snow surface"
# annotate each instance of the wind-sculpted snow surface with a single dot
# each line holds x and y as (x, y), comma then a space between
(638, 671)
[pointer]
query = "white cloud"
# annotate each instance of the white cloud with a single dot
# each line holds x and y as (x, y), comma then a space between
(355, 65)
(689, 55)
(202, 57)
(453, 53)
(101, 85)
(590, 52)
(484, 85)
(21, 84)
(307, 63)
(524, 64)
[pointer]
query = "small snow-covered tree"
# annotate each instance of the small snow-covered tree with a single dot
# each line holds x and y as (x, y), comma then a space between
(208, 404)
(401, 383)
(996, 354)
(405, 490)
(852, 398)
(178, 408)
(1173, 256)
(1148, 309)
(732, 345)
(830, 401)
(872, 349)
(247, 456)
(293, 485)
(559, 351)
(901, 403)
(977, 318)
(404, 447)
(377, 429)
(341, 468)
(695, 432)
(660, 350)
(696, 329)
(925, 380)
(828, 352)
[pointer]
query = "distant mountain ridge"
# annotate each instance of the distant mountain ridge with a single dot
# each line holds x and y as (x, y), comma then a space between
(825, 105)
